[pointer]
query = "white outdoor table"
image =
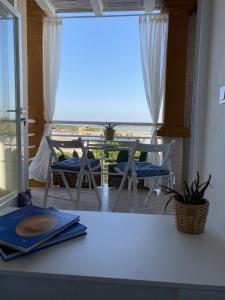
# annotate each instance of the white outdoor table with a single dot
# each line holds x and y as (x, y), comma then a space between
(122, 144)
(123, 256)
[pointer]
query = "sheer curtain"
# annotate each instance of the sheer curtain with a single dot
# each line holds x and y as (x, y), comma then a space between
(149, 5)
(153, 38)
(51, 66)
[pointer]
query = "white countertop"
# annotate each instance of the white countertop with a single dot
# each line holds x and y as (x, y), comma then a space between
(130, 248)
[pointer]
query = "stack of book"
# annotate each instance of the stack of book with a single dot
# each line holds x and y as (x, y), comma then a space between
(33, 228)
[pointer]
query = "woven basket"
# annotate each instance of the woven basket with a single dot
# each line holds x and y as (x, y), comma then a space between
(109, 133)
(191, 218)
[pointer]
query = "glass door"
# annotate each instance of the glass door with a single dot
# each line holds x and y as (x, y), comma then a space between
(10, 114)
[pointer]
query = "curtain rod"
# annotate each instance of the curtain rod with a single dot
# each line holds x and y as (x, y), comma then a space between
(104, 16)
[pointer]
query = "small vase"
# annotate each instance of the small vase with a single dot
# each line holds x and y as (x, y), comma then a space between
(109, 133)
(191, 218)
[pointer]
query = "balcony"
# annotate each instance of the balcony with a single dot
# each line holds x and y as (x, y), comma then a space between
(107, 184)
(176, 106)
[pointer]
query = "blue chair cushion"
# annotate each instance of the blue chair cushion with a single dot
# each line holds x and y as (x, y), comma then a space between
(73, 164)
(144, 169)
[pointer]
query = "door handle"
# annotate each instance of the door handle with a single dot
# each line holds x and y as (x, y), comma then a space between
(11, 110)
(24, 121)
(22, 111)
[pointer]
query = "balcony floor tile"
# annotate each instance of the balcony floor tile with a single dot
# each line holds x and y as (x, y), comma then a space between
(88, 200)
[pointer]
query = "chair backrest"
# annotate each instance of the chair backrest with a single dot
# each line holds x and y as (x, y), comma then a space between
(123, 156)
(73, 144)
(166, 149)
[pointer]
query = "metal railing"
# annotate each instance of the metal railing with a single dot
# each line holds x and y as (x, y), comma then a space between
(123, 128)
(94, 129)
(150, 124)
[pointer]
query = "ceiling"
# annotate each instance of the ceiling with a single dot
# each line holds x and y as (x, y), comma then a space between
(109, 5)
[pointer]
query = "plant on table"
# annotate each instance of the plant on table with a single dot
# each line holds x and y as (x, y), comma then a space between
(191, 207)
(109, 130)
(109, 125)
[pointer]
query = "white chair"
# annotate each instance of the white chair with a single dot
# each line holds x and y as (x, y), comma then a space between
(80, 166)
(135, 171)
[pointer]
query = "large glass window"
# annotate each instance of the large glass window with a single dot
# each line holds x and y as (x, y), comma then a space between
(9, 165)
(101, 74)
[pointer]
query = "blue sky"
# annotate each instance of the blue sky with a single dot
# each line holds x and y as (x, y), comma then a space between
(101, 76)
(7, 70)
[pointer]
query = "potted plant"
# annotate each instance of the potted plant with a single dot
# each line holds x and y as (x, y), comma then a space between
(109, 130)
(191, 207)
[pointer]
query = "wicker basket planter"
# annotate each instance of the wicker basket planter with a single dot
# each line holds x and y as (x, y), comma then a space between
(191, 218)
(109, 133)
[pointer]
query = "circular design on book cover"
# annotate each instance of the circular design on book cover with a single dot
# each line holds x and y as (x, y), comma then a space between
(36, 225)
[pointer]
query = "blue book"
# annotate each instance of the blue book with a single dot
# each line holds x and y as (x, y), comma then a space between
(28, 227)
(73, 231)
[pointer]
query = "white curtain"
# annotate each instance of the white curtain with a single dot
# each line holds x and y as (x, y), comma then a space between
(149, 5)
(51, 66)
(153, 38)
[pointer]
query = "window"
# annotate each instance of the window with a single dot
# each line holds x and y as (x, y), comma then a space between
(101, 74)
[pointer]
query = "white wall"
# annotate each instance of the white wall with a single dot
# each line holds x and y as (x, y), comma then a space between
(208, 134)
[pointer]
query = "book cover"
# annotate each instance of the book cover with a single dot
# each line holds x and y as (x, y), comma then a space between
(27, 227)
(73, 231)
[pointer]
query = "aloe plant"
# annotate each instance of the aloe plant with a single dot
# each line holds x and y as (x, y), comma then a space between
(193, 194)
(109, 125)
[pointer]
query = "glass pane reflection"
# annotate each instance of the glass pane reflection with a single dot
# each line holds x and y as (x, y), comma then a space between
(8, 133)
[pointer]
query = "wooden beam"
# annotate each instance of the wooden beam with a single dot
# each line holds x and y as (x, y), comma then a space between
(173, 123)
(47, 7)
(35, 73)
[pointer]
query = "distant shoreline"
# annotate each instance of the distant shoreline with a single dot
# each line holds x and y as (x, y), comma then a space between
(128, 131)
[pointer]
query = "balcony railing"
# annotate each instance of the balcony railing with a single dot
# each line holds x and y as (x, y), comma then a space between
(94, 129)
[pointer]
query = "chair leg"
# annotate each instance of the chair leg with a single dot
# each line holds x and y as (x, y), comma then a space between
(130, 181)
(173, 180)
(170, 182)
(80, 181)
(96, 189)
(119, 191)
(66, 185)
(89, 182)
(155, 182)
(46, 188)
(135, 182)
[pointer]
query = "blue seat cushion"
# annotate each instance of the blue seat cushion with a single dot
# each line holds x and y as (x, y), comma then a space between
(74, 164)
(144, 169)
